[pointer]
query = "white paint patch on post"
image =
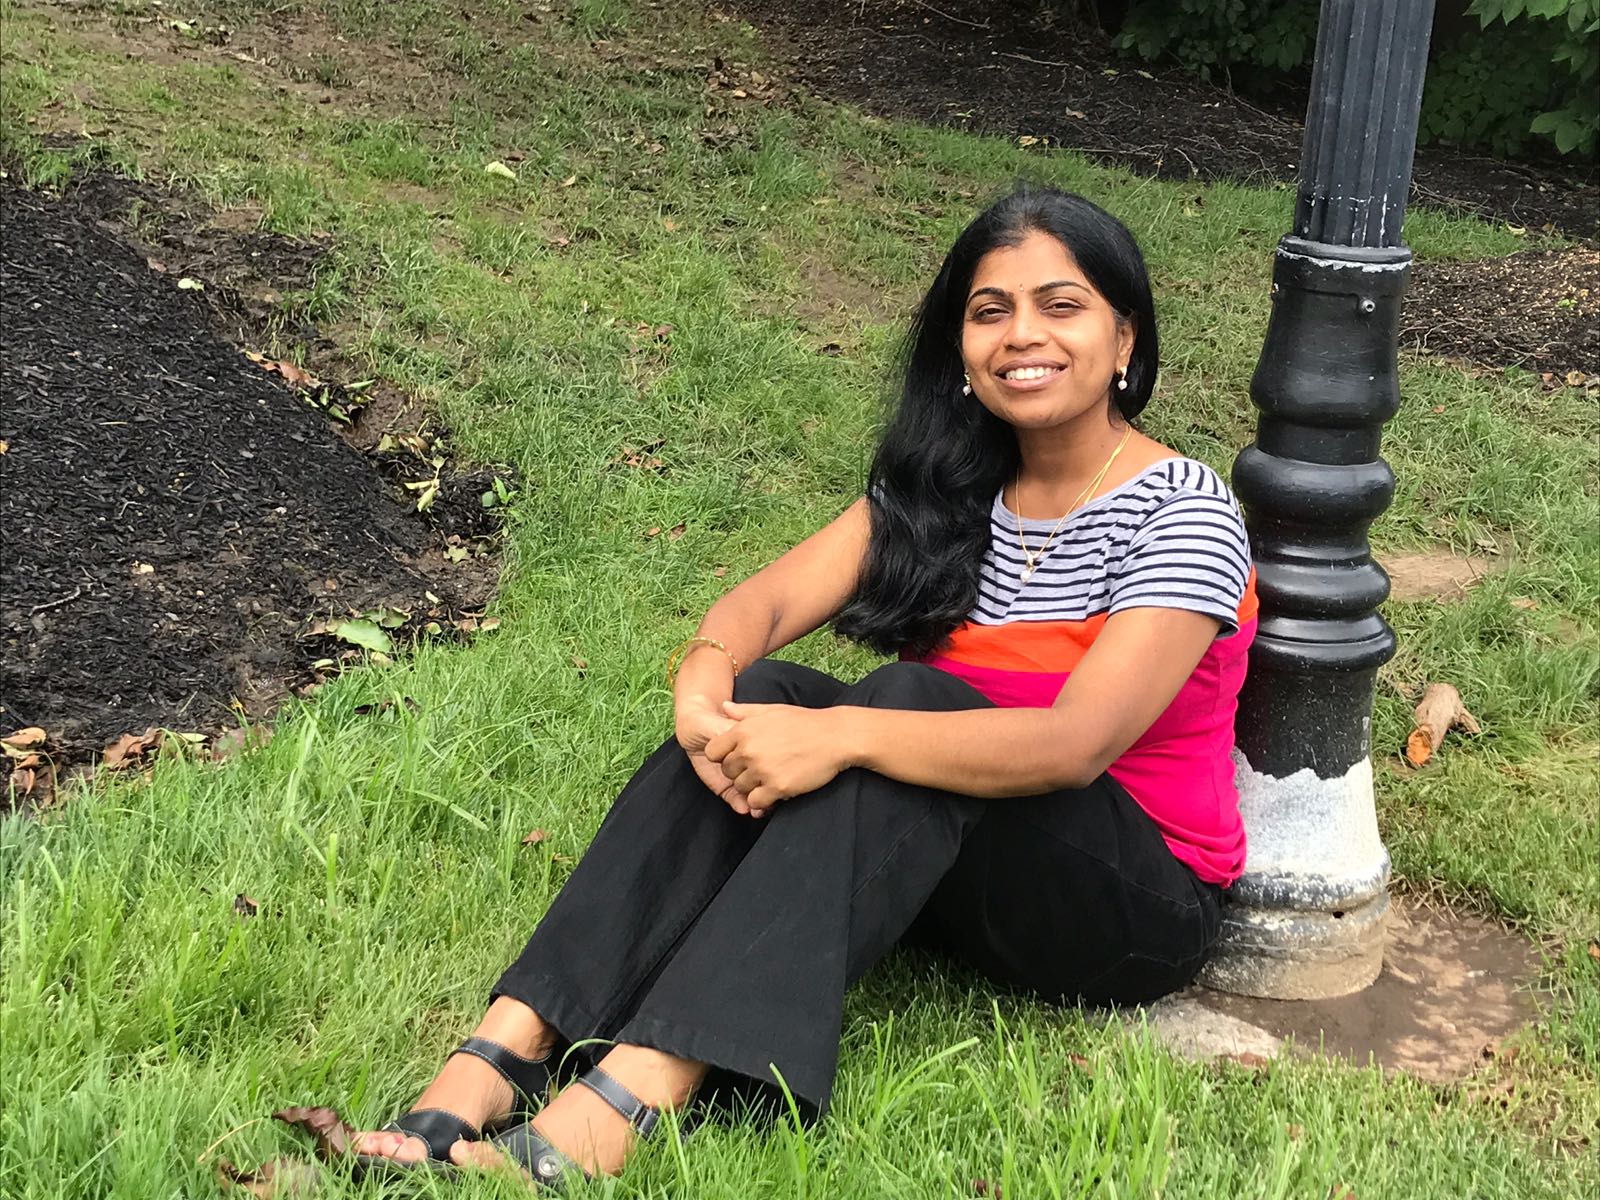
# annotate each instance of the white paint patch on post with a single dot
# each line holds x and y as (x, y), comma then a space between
(1301, 825)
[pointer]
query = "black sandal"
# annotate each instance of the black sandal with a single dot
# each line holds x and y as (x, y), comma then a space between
(438, 1128)
(548, 1166)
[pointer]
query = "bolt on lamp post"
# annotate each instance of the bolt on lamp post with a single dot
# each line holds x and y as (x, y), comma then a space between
(1307, 917)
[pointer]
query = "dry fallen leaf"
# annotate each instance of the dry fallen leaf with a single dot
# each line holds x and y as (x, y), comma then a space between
(239, 738)
(326, 1127)
(131, 749)
(677, 531)
(1524, 603)
(276, 1179)
(534, 837)
(22, 739)
(1439, 711)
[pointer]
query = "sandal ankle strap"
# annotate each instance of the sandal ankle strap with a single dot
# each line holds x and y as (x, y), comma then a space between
(529, 1077)
(640, 1115)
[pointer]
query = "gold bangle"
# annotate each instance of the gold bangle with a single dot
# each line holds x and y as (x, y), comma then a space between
(675, 659)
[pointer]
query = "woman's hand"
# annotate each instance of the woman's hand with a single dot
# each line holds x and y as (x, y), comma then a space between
(775, 751)
(699, 719)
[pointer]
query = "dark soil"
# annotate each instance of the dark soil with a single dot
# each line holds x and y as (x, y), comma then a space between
(1024, 70)
(174, 516)
(1539, 309)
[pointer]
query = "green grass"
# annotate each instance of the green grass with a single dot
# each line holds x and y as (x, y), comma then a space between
(142, 1020)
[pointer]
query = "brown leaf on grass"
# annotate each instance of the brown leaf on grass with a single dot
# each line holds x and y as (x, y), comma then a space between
(22, 740)
(276, 1179)
(1082, 1063)
(1525, 604)
(1249, 1059)
(677, 531)
(534, 837)
(237, 739)
(1439, 711)
(132, 749)
(325, 1125)
(246, 906)
(1594, 951)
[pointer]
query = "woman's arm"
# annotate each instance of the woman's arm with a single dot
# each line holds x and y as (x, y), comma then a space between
(1130, 675)
(1136, 666)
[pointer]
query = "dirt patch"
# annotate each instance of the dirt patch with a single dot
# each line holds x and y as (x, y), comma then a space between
(1452, 987)
(1027, 71)
(174, 515)
(1435, 574)
(1539, 310)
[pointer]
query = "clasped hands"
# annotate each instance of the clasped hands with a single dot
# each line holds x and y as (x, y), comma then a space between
(754, 755)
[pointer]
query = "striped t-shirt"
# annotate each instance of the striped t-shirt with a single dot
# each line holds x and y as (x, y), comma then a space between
(1170, 537)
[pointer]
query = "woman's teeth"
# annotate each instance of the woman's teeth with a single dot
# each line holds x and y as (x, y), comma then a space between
(1022, 373)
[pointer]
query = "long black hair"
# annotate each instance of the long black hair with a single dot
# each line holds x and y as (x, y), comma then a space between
(944, 456)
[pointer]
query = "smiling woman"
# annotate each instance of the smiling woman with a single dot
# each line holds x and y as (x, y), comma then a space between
(1041, 787)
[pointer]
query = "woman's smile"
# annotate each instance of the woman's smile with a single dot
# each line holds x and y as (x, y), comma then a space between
(1028, 375)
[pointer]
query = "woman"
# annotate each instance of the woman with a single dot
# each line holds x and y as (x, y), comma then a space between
(1042, 785)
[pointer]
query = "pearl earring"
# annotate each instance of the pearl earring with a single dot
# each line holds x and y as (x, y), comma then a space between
(1122, 381)
(966, 384)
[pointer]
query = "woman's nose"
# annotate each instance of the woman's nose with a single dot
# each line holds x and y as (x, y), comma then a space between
(1025, 328)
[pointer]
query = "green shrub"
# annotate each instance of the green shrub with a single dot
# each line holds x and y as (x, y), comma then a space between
(1526, 73)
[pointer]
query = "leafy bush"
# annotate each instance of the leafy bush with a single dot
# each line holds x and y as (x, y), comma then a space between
(1570, 116)
(1214, 35)
(1528, 71)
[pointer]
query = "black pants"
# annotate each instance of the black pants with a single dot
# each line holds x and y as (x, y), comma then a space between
(731, 941)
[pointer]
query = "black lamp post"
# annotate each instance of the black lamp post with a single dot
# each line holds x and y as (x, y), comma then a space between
(1308, 915)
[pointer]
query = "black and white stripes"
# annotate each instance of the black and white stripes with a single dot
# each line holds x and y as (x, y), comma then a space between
(1170, 537)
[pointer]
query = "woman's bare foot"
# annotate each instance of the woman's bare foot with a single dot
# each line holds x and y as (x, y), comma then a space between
(587, 1129)
(467, 1086)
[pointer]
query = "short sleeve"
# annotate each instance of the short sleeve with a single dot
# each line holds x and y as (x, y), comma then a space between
(1190, 552)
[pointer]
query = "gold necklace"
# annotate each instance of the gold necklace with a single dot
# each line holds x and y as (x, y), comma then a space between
(1031, 557)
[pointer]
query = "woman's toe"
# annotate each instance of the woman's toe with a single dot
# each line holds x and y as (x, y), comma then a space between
(386, 1143)
(485, 1156)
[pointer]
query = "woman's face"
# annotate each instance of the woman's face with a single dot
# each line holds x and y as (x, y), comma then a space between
(1039, 343)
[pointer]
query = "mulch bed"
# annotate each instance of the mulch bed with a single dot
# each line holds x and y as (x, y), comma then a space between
(174, 516)
(1539, 310)
(1020, 70)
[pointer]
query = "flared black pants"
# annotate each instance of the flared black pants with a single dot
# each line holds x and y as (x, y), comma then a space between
(731, 941)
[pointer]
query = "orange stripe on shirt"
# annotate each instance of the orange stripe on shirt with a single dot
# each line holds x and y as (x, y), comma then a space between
(1054, 646)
